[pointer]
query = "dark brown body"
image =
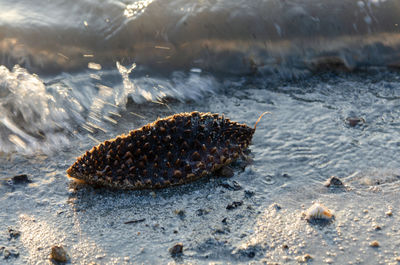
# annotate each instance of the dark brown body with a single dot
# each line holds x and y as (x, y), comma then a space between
(170, 151)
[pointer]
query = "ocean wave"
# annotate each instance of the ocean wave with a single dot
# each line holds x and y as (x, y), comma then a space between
(237, 37)
(44, 115)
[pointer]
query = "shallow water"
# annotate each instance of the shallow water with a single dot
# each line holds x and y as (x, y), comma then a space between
(112, 66)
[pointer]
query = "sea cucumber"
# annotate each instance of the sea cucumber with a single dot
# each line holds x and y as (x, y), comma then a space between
(174, 150)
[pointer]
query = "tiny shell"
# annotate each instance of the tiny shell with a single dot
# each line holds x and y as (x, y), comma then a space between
(318, 212)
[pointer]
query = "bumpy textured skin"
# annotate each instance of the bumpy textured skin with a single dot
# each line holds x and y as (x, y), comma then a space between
(174, 150)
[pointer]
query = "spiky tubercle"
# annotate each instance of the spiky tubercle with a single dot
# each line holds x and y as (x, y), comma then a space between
(174, 150)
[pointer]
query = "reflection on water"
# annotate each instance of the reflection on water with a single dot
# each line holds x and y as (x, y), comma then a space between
(137, 8)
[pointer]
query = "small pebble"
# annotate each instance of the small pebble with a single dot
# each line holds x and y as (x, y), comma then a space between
(389, 213)
(374, 244)
(333, 181)
(329, 260)
(13, 233)
(58, 254)
(234, 205)
(248, 193)
(176, 250)
(276, 206)
(180, 213)
(397, 259)
(307, 257)
(354, 121)
(234, 186)
(201, 212)
(10, 252)
(224, 230)
(304, 258)
(20, 179)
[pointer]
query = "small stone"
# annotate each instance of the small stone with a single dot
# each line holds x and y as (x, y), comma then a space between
(374, 244)
(201, 212)
(180, 213)
(285, 246)
(389, 213)
(248, 193)
(397, 259)
(329, 260)
(354, 121)
(13, 233)
(234, 186)
(20, 179)
(176, 250)
(6, 253)
(276, 206)
(234, 205)
(10, 252)
(303, 259)
(307, 257)
(377, 227)
(58, 254)
(333, 181)
(224, 230)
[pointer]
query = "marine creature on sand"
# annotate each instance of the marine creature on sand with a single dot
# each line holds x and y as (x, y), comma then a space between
(174, 150)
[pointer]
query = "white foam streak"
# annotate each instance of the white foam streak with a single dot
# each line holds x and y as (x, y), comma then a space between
(38, 117)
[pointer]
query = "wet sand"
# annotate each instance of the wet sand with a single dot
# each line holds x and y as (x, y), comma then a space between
(255, 216)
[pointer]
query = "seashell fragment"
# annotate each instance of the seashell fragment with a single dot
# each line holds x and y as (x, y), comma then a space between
(171, 151)
(318, 212)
